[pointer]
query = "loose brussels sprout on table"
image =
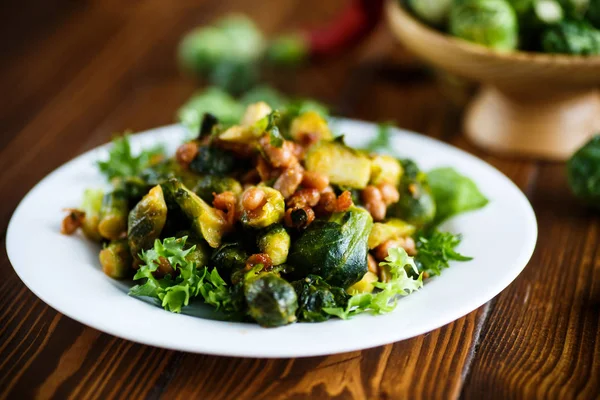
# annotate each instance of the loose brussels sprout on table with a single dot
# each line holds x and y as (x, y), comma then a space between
(550, 26)
(188, 231)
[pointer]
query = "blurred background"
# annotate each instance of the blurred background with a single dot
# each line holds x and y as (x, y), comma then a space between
(116, 64)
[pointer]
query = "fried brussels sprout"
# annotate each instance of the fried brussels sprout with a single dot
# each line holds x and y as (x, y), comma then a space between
(274, 241)
(228, 258)
(91, 205)
(113, 215)
(270, 213)
(335, 249)
(583, 171)
(311, 123)
(314, 294)
(146, 221)
(343, 165)
(214, 161)
(216, 184)
(385, 169)
(271, 300)
(433, 12)
(365, 285)
(207, 222)
(201, 253)
(572, 37)
(491, 23)
(416, 205)
(393, 228)
(116, 259)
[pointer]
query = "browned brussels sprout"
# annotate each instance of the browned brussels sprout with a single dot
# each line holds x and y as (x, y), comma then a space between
(113, 215)
(271, 300)
(146, 221)
(275, 241)
(116, 259)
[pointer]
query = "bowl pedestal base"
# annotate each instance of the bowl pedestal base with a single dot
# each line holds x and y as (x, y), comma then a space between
(550, 126)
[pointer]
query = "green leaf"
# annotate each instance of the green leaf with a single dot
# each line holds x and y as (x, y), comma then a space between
(382, 140)
(435, 250)
(275, 137)
(453, 193)
(122, 163)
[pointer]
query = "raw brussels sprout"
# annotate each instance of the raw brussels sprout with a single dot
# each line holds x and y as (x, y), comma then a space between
(583, 171)
(226, 53)
(393, 228)
(274, 241)
(385, 169)
(146, 221)
(575, 8)
(116, 259)
(207, 222)
(572, 37)
(433, 12)
(216, 184)
(365, 285)
(343, 165)
(228, 258)
(271, 300)
(547, 12)
(270, 213)
(491, 23)
(113, 215)
(214, 161)
(416, 205)
(310, 122)
(91, 204)
(314, 294)
(335, 249)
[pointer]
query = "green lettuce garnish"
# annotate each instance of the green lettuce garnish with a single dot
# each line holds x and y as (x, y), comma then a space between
(435, 250)
(122, 163)
(453, 193)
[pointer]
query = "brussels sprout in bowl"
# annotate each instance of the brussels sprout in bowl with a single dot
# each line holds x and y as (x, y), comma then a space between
(529, 104)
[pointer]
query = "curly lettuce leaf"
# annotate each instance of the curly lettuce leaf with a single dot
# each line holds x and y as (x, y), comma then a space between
(173, 293)
(453, 193)
(122, 163)
(384, 301)
(435, 250)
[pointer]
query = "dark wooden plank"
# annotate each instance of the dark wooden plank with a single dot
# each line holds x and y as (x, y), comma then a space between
(543, 337)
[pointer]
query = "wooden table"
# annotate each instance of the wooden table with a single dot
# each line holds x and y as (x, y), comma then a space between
(74, 72)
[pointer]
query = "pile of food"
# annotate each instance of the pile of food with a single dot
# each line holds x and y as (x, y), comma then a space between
(273, 220)
(550, 26)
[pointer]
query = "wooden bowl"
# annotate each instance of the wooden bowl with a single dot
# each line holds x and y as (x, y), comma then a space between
(529, 104)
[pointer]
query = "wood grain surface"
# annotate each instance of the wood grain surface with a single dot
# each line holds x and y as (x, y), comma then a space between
(74, 72)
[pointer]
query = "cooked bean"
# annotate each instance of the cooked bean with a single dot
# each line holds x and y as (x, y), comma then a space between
(389, 193)
(289, 180)
(253, 198)
(186, 153)
(373, 201)
(315, 180)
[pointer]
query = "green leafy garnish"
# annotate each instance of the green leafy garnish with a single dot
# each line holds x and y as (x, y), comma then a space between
(382, 140)
(453, 193)
(435, 250)
(173, 293)
(384, 301)
(275, 137)
(218, 294)
(122, 163)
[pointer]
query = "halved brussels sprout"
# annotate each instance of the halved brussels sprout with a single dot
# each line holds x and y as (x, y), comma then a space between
(116, 259)
(271, 300)
(365, 285)
(275, 242)
(310, 122)
(385, 169)
(343, 165)
(335, 249)
(228, 258)
(393, 228)
(214, 161)
(113, 215)
(207, 222)
(270, 213)
(91, 205)
(216, 184)
(416, 205)
(146, 221)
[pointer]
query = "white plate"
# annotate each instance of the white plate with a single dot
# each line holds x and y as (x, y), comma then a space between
(65, 273)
